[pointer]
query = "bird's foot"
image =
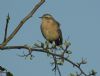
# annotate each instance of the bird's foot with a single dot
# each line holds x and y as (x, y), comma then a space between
(47, 44)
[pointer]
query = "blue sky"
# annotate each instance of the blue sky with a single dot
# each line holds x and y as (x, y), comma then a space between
(79, 19)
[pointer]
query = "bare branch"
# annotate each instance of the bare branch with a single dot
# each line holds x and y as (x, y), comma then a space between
(56, 66)
(22, 22)
(48, 52)
(6, 28)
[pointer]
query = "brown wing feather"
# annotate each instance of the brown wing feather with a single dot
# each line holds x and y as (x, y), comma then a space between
(59, 41)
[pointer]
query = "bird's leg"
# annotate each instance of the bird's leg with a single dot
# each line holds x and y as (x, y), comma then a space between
(47, 47)
(54, 46)
(47, 44)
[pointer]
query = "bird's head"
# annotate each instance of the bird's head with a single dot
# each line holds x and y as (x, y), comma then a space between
(47, 17)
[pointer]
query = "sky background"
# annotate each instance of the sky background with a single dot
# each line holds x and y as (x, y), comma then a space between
(80, 21)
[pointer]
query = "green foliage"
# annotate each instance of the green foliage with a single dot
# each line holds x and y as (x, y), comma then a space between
(9, 74)
(2, 69)
(93, 72)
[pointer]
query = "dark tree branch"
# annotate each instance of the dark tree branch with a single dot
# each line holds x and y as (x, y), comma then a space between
(45, 50)
(22, 22)
(6, 28)
(56, 66)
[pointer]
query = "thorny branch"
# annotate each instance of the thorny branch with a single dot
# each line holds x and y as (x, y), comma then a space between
(56, 66)
(59, 56)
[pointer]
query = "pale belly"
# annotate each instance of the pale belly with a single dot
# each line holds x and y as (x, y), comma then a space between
(50, 33)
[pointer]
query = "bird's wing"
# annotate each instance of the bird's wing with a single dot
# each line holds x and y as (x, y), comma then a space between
(60, 36)
(59, 40)
(60, 33)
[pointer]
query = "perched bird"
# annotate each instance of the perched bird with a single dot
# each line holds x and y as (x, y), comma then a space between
(50, 29)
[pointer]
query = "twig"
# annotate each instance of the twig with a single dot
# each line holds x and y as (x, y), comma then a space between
(44, 51)
(56, 67)
(6, 28)
(22, 22)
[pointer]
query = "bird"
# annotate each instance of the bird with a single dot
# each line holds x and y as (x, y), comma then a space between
(50, 29)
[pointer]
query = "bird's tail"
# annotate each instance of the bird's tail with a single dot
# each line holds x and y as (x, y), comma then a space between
(58, 42)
